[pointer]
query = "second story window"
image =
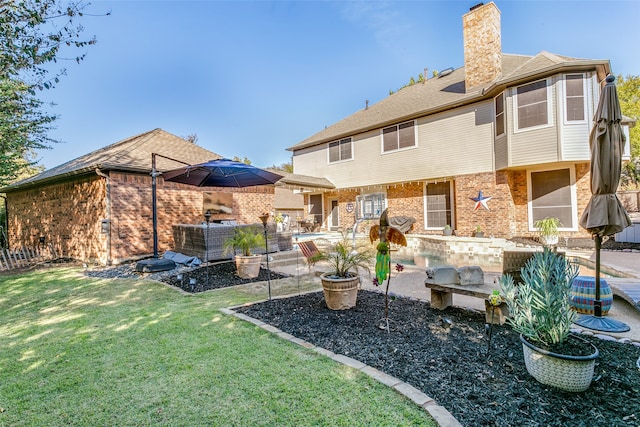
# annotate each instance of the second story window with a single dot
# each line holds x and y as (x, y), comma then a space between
(397, 137)
(533, 109)
(574, 89)
(499, 105)
(340, 150)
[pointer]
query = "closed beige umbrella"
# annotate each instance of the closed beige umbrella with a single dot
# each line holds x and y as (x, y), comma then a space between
(605, 215)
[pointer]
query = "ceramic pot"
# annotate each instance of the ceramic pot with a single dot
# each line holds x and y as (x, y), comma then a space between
(340, 293)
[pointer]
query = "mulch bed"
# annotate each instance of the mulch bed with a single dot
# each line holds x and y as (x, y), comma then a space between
(216, 276)
(446, 355)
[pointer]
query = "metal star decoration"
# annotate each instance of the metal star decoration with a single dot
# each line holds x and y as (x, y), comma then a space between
(481, 200)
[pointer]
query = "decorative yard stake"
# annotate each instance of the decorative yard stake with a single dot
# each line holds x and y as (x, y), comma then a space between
(494, 301)
(387, 234)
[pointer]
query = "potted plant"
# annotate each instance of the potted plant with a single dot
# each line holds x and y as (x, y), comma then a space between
(279, 219)
(340, 283)
(548, 230)
(245, 239)
(446, 231)
(479, 232)
(540, 311)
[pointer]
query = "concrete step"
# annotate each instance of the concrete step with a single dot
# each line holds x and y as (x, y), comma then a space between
(284, 258)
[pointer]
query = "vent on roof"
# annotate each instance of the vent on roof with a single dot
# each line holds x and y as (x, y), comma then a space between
(445, 72)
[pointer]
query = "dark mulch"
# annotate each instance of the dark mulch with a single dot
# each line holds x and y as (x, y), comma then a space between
(444, 354)
(216, 276)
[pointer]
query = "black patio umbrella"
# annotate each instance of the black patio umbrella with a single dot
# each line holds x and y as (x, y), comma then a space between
(221, 173)
(604, 214)
(226, 173)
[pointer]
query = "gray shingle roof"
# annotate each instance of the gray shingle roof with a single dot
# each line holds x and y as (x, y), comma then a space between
(132, 154)
(294, 180)
(446, 92)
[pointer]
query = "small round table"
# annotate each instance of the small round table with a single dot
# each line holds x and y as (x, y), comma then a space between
(583, 293)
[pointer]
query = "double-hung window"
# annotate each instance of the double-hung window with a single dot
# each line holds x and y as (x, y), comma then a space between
(574, 103)
(340, 150)
(438, 205)
(397, 137)
(499, 105)
(370, 206)
(552, 197)
(532, 105)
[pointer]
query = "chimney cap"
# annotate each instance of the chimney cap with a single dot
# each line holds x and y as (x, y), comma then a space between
(476, 6)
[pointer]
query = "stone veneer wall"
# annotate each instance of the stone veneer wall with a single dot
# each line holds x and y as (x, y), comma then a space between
(69, 215)
(482, 45)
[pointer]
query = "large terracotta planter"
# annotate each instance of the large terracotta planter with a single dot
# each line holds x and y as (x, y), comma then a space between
(569, 373)
(248, 266)
(340, 293)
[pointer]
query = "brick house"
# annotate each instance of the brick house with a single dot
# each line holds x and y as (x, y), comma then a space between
(498, 143)
(97, 208)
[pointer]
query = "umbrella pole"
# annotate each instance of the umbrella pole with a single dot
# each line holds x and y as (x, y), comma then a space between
(596, 321)
(154, 204)
(597, 303)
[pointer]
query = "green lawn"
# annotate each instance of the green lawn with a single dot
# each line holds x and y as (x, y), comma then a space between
(96, 352)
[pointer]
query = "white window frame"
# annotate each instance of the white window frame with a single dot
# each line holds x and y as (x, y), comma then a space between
(502, 117)
(339, 142)
(371, 205)
(573, 192)
(397, 126)
(566, 97)
(426, 208)
(549, 108)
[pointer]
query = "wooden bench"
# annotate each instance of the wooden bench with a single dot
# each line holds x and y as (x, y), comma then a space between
(442, 297)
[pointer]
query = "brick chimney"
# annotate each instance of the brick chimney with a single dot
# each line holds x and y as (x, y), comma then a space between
(482, 45)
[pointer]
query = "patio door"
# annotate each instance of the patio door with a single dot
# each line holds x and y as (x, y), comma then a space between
(335, 219)
(315, 208)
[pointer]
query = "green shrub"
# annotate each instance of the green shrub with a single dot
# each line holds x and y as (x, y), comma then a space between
(539, 307)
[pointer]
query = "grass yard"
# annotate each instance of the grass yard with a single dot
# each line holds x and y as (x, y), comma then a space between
(97, 352)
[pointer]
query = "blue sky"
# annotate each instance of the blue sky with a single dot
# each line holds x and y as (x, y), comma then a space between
(252, 78)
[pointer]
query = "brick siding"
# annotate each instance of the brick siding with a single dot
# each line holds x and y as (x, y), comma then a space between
(70, 215)
(507, 216)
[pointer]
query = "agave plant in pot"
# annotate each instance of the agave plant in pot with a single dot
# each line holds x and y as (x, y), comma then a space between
(245, 239)
(340, 282)
(540, 310)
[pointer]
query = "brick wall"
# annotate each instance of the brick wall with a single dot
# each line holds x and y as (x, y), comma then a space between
(344, 197)
(67, 214)
(507, 216)
(498, 220)
(132, 215)
(70, 215)
(407, 200)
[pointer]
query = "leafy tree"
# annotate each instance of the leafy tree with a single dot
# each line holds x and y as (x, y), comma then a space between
(284, 167)
(238, 159)
(33, 35)
(23, 129)
(629, 95)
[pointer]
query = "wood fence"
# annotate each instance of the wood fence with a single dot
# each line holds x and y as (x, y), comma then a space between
(25, 256)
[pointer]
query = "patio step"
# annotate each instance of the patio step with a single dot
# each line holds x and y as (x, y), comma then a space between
(284, 258)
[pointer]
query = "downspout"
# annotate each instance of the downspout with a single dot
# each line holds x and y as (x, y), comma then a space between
(108, 218)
